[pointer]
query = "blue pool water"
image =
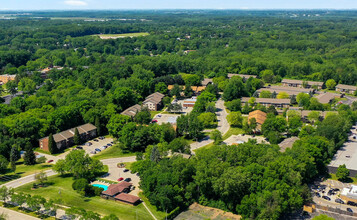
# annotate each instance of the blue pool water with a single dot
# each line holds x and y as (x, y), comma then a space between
(101, 186)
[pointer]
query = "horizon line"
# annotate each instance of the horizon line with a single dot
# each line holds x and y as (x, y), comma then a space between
(192, 9)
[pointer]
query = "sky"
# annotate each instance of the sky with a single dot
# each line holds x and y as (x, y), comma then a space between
(175, 4)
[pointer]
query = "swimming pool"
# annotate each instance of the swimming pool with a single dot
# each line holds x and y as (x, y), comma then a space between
(101, 186)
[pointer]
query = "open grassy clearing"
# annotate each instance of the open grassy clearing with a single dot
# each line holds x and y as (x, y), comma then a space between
(112, 152)
(232, 131)
(71, 198)
(22, 170)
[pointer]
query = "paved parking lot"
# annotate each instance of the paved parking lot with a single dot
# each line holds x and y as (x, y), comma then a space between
(347, 153)
(166, 118)
(96, 144)
(329, 184)
(238, 139)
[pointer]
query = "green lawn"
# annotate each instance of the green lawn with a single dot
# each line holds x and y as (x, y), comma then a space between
(112, 152)
(27, 212)
(23, 170)
(153, 113)
(155, 212)
(139, 34)
(232, 131)
(351, 180)
(71, 198)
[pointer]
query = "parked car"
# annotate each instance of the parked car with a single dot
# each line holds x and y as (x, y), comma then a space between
(103, 147)
(339, 201)
(120, 179)
(154, 121)
(349, 210)
(127, 180)
(97, 149)
(96, 140)
(79, 147)
(159, 116)
(111, 142)
(50, 161)
(336, 189)
(109, 145)
(327, 198)
(101, 138)
(351, 203)
(88, 144)
(93, 152)
(125, 170)
(330, 192)
(318, 194)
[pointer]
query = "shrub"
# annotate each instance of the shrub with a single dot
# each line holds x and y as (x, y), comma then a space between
(80, 184)
(41, 160)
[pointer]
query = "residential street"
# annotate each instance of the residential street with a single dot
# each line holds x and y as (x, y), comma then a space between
(223, 125)
(24, 180)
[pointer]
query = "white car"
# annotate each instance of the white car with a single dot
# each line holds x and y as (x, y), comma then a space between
(93, 152)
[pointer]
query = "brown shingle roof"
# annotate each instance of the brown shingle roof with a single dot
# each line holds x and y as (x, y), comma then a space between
(290, 93)
(156, 95)
(67, 134)
(300, 82)
(268, 101)
(117, 188)
(127, 198)
(259, 116)
(346, 87)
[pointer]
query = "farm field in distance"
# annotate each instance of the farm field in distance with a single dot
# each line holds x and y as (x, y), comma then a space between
(115, 36)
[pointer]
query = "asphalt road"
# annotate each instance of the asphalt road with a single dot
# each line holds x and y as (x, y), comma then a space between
(13, 215)
(223, 125)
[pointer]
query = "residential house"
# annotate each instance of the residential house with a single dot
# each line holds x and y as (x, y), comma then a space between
(299, 83)
(259, 116)
(154, 101)
(327, 97)
(65, 138)
(131, 111)
(287, 143)
(128, 199)
(244, 76)
(346, 88)
(289, 90)
(206, 81)
(115, 189)
(6, 78)
(278, 103)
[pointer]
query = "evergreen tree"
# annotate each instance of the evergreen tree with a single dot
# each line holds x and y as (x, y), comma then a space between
(30, 157)
(98, 125)
(52, 147)
(76, 137)
(14, 156)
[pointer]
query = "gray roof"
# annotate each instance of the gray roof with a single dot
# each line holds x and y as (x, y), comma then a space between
(67, 134)
(206, 81)
(268, 101)
(290, 93)
(291, 89)
(230, 75)
(287, 143)
(300, 82)
(327, 97)
(346, 87)
(155, 98)
(131, 111)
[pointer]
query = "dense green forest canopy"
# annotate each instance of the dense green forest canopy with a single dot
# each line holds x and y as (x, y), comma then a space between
(101, 78)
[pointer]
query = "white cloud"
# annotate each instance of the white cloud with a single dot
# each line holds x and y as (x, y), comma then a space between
(75, 3)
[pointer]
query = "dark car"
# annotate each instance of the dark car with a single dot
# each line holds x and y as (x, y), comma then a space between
(79, 147)
(318, 194)
(330, 192)
(351, 203)
(97, 149)
(127, 180)
(109, 145)
(339, 201)
(50, 161)
(326, 197)
(101, 138)
(96, 140)
(125, 170)
(349, 210)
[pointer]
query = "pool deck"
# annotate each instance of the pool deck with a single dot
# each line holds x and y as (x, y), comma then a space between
(98, 182)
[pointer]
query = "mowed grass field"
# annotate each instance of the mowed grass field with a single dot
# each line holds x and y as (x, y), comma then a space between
(71, 198)
(114, 36)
